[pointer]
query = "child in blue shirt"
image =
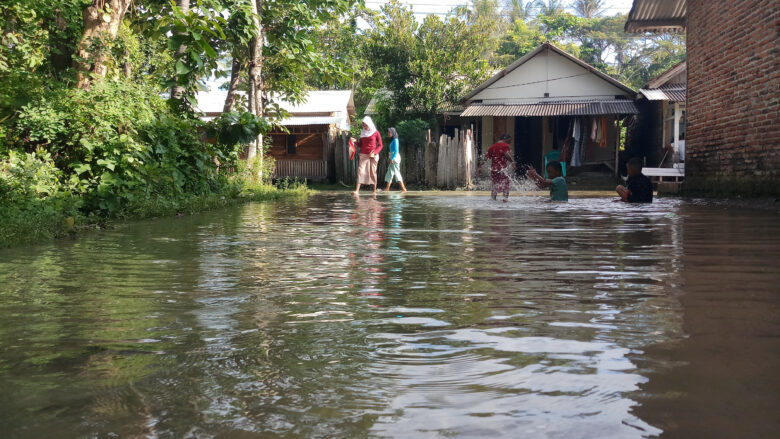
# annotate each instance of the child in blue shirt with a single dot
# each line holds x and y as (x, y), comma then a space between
(556, 183)
(394, 167)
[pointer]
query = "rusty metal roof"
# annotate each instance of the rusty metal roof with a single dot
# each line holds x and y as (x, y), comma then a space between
(657, 15)
(674, 93)
(590, 108)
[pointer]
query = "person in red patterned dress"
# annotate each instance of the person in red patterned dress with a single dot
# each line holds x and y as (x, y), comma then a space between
(500, 158)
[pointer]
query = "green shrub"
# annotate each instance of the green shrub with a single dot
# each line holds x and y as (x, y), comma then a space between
(413, 132)
(34, 202)
(117, 142)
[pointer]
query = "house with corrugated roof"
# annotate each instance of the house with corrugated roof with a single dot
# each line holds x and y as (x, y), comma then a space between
(553, 105)
(662, 118)
(303, 142)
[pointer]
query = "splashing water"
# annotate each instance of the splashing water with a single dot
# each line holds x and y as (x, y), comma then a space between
(516, 183)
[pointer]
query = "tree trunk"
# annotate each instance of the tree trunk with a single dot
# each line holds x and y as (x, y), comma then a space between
(101, 20)
(255, 78)
(127, 67)
(235, 81)
(177, 91)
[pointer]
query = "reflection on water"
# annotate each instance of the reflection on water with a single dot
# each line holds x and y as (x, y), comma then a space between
(399, 317)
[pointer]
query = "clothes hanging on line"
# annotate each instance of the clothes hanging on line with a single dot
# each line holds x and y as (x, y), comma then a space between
(578, 137)
(603, 133)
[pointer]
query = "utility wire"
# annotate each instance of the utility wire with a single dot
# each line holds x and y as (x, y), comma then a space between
(543, 80)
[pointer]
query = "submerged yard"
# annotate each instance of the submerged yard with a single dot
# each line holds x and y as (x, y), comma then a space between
(400, 316)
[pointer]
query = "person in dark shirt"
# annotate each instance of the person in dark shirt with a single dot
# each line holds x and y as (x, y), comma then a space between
(638, 188)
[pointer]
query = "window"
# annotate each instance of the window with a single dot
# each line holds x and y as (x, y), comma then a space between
(291, 144)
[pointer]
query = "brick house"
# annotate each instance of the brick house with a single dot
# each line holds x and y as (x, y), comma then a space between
(732, 127)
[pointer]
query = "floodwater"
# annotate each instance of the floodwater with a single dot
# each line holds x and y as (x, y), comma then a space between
(401, 316)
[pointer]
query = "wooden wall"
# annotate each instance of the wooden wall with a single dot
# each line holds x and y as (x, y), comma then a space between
(310, 143)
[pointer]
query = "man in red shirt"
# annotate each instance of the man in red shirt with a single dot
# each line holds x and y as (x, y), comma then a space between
(500, 158)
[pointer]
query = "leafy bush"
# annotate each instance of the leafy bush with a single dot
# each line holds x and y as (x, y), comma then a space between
(413, 132)
(28, 176)
(117, 142)
(34, 202)
(234, 129)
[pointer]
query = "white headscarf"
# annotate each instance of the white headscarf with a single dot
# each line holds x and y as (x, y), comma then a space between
(371, 127)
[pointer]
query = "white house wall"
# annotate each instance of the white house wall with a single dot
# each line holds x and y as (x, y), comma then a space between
(547, 72)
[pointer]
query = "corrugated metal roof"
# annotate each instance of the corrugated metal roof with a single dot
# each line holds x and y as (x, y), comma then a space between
(336, 104)
(311, 120)
(320, 101)
(554, 109)
(211, 101)
(657, 15)
(668, 93)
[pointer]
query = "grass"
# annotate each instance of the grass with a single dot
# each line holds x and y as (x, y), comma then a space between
(33, 221)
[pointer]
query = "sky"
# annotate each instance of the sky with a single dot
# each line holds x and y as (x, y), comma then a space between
(425, 7)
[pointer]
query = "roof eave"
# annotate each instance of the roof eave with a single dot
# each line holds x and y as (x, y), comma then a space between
(659, 25)
(664, 77)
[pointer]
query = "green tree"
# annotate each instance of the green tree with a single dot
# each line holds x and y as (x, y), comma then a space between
(518, 10)
(549, 7)
(588, 8)
(520, 39)
(426, 66)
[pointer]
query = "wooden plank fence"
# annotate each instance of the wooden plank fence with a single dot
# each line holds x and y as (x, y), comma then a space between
(451, 163)
(311, 169)
(456, 161)
(346, 169)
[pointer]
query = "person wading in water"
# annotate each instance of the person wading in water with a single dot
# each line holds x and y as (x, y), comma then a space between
(370, 144)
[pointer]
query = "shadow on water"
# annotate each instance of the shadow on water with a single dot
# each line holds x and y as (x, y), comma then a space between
(399, 316)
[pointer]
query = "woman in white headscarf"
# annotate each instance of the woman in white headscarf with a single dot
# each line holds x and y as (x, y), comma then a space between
(370, 144)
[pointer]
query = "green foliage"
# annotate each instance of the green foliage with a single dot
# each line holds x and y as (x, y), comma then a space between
(520, 39)
(29, 176)
(425, 66)
(194, 34)
(293, 53)
(35, 202)
(36, 44)
(413, 132)
(234, 129)
(116, 142)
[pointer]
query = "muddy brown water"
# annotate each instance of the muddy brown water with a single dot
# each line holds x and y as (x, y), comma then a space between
(401, 316)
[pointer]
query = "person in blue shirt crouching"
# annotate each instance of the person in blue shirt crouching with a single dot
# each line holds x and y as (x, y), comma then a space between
(556, 182)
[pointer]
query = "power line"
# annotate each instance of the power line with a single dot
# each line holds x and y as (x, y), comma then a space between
(457, 5)
(540, 81)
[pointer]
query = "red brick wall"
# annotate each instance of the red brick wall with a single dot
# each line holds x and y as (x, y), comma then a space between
(733, 131)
